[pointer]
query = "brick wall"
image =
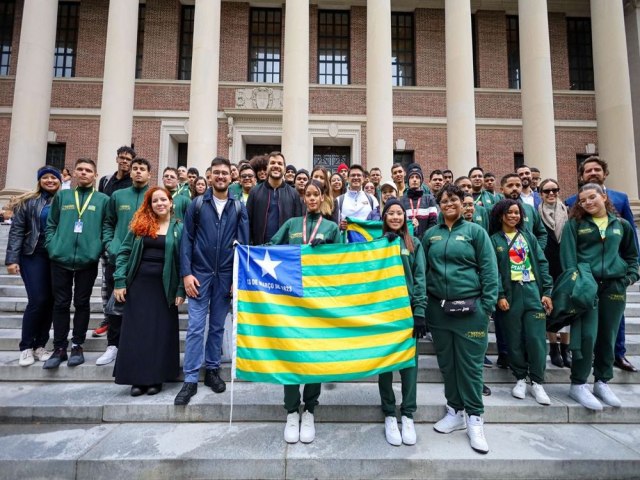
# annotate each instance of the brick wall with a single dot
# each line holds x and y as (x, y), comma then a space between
(358, 45)
(313, 44)
(5, 128)
(152, 96)
(234, 42)
(15, 42)
(146, 138)
(492, 61)
(92, 38)
(161, 39)
(81, 137)
(559, 52)
(430, 48)
(74, 94)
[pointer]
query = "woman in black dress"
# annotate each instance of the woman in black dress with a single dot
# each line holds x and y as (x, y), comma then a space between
(147, 279)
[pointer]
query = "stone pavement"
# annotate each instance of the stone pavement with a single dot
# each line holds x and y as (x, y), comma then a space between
(76, 424)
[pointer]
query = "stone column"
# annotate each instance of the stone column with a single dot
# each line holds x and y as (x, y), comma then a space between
(32, 95)
(118, 84)
(613, 95)
(461, 115)
(379, 87)
(205, 73)
(295, 95)
(538, 129)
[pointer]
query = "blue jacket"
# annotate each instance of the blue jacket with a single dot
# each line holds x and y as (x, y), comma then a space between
(207, 248)
(620, 202)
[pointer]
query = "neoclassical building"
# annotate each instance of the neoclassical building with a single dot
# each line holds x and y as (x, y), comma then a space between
(445, 83)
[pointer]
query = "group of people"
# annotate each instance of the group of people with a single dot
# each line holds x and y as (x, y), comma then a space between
(470, 253)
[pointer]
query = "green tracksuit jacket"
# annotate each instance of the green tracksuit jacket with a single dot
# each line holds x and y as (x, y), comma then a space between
(76, 251)
(533, 223)
(461, 263)
(130, 254)
(539, 265)
(414, 264)
(486, 200)
(180, 204)
(122, 205)
(614, 258)
(290, 233)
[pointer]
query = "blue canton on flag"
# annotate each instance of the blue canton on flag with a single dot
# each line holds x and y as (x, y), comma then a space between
(275, 270)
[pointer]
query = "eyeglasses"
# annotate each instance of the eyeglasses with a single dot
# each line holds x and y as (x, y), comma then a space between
(220, 173)
(549, 191)
(246, 176)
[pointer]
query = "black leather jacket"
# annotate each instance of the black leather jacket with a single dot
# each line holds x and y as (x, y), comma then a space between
(25, 228)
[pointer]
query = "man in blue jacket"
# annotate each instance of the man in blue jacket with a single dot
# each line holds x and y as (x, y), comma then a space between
(595, 170)
(211, 227)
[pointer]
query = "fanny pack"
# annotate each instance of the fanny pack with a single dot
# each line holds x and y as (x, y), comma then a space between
(460, 307)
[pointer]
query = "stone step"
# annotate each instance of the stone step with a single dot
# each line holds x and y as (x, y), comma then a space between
(14, 320)
(254, 402)
(18, 291)
(18, 304)
(428, 371)
(251, 450)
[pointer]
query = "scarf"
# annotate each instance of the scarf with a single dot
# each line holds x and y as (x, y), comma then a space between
(554, 217)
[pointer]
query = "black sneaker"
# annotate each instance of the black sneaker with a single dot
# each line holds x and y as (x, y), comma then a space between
(486, 391)
(188, 390)
(487, 363)
(77, 357)
(59, 355)
(212, 379)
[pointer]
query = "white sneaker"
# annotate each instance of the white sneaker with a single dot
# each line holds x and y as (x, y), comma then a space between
(292, 428)
(108, 356)
(520, 390)
(539, 394)
(603, 392)
(307, 428)
(582, 395)
(391, 431)
(451, 422)
(475, 432)
(42, 354)
(408, 431)
(26, 358)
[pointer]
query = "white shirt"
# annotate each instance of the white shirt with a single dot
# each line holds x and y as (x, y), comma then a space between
(356, 205)
(219, 204)
(528, 199)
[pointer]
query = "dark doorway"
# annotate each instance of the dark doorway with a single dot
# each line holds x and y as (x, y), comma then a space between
(254, 150)
(330, 157)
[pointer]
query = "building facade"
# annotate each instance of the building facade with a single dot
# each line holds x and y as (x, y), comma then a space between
(445, 83)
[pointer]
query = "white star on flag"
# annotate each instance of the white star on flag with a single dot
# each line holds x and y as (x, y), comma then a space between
(268, 266)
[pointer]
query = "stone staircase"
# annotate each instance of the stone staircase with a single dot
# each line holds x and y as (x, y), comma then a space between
(75, 423)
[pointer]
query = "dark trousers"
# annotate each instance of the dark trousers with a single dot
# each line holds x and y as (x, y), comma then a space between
(310, 395)
(620, 348)
(115, 321)
(37, 318)
(68, 284)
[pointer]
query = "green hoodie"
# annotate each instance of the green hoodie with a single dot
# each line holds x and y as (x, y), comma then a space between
(130, 254)
(122, 205)
(290, 233)
(615, 257)
(414, 265)
(539, 264)
(461, 263)
(76, 251)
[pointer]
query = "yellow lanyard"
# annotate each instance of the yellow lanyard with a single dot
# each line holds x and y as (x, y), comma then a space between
(86, 203)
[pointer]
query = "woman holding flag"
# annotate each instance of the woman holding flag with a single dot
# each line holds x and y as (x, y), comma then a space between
(462, 291)
(394, 226)
(312, 229)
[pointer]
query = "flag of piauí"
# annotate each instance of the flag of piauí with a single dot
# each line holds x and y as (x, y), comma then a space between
(318, 314)
(366, 230)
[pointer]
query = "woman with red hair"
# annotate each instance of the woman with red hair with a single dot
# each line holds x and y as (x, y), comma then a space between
(147, 280)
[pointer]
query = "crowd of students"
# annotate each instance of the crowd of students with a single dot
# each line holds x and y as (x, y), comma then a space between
(476, 253)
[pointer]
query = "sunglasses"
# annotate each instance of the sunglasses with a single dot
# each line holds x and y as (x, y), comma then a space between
(549, 191)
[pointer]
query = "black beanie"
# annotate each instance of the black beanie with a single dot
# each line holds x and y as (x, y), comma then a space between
(390, 203)
(414, 169)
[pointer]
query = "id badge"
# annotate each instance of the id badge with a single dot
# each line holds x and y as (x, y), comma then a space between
(77, 227)
(525, 276)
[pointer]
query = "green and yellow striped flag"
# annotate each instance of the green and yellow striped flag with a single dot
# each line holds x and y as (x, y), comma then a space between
(319, 314)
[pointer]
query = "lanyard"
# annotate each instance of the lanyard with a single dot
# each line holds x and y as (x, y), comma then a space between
(478, 201)
(414, 211)
(304, 230)
(86, 203)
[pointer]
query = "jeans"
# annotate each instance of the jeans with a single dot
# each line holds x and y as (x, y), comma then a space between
(37, 318)
(68, 283)
(115, 321)
(620, 348)
(213, 299)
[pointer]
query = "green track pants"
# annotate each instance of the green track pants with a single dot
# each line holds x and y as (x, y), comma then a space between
(460, 344)
(524, 328)
(594, 334)
(310, 395)
(409, 378)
